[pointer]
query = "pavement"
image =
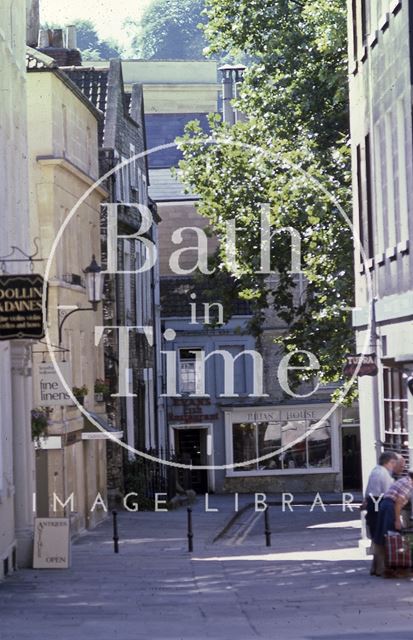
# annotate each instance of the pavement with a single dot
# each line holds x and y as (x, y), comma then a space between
(313, 583)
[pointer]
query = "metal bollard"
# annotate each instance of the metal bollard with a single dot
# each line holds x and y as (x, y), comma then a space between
(115, 532)
(190, 532)
(267, 527)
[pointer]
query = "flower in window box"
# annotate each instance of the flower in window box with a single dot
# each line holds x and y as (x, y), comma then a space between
(80, 393)
(101, 390)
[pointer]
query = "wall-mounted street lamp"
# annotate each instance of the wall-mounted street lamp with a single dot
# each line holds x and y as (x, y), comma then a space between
(94, 283)
(94, 288)
(409, 381)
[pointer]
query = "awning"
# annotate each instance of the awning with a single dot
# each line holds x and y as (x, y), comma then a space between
(91, 432)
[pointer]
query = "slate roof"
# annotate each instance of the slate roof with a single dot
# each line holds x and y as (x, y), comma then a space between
(92, 82)
(163, 129)
(164, 187)
(175, 292)
(38, 61)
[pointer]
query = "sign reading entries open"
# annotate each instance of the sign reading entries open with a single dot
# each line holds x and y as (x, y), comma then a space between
(51, 543)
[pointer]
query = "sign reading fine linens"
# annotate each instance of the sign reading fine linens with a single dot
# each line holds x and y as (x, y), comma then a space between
(21, 307)
(48, 388)
(51, 543)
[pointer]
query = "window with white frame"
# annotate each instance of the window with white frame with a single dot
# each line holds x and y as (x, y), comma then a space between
(139, 286)
(188, 370)
(143, 189)
(395, 409)
(125, 181)
(133, 171)
(118, 180)
(303, 445)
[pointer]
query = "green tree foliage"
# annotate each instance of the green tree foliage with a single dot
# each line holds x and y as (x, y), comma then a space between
(169, 30)
(91, 47)
(88, 42)
(291, 153)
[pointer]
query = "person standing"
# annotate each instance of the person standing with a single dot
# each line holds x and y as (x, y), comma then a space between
(389, 516)
(380, 480)
(400, 466)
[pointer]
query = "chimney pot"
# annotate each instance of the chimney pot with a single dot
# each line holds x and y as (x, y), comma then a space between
(71, 37)
(44, 38)
(57, 38)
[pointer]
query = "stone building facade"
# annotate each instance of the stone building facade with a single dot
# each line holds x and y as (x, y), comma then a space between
(236, 435)
(381, 72)
(16, 448)
(65, 216)
(132, 298)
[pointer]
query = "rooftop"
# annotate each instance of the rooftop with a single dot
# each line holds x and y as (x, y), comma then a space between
(92, 82)
(164, 187)
(175, 292)
(166, 71)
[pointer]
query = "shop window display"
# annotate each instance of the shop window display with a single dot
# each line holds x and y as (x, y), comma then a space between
(252, 441)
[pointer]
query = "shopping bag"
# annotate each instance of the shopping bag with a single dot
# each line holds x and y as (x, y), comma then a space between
(408, 535)
(398, 551)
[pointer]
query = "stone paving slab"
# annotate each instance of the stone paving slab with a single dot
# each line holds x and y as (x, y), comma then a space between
(153, 589)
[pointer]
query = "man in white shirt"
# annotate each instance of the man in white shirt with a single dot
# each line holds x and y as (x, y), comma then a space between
(381, 477)
(379, 482)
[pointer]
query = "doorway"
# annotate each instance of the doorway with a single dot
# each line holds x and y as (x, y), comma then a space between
(191, 448)
(351, 452)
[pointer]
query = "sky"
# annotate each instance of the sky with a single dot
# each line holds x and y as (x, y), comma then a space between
(107, 15)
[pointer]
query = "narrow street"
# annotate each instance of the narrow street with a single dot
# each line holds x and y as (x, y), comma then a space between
(312, 580)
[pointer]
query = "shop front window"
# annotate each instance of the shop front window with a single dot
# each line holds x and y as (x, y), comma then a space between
(303, 445)
(395, 410)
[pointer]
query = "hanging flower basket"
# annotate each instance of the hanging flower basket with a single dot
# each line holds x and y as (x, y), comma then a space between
(39, 422)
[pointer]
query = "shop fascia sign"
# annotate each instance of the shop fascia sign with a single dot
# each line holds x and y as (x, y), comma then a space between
(367, 364)
(188, 410)
(21, 307)
(277, 414)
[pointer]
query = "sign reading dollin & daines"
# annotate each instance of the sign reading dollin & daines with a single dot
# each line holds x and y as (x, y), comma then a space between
(21, 315)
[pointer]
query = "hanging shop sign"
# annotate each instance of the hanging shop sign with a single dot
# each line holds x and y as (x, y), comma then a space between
(368, 366)
(48, 388)
(51, 543)
(21, 311)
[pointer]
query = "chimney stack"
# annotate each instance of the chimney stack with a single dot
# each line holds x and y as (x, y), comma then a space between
(60, 45)
(32, 22)
(232, 76)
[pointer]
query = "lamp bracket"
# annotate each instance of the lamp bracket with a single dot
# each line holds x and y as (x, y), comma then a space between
(31, 258)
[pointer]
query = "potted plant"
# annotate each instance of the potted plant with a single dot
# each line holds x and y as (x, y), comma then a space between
(80, 393)
(39, 422)
(101, 390)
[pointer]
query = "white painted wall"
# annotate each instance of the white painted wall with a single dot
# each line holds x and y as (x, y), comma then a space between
(16, 450)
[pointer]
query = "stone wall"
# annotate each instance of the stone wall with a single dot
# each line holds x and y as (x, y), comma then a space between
(311, 483)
